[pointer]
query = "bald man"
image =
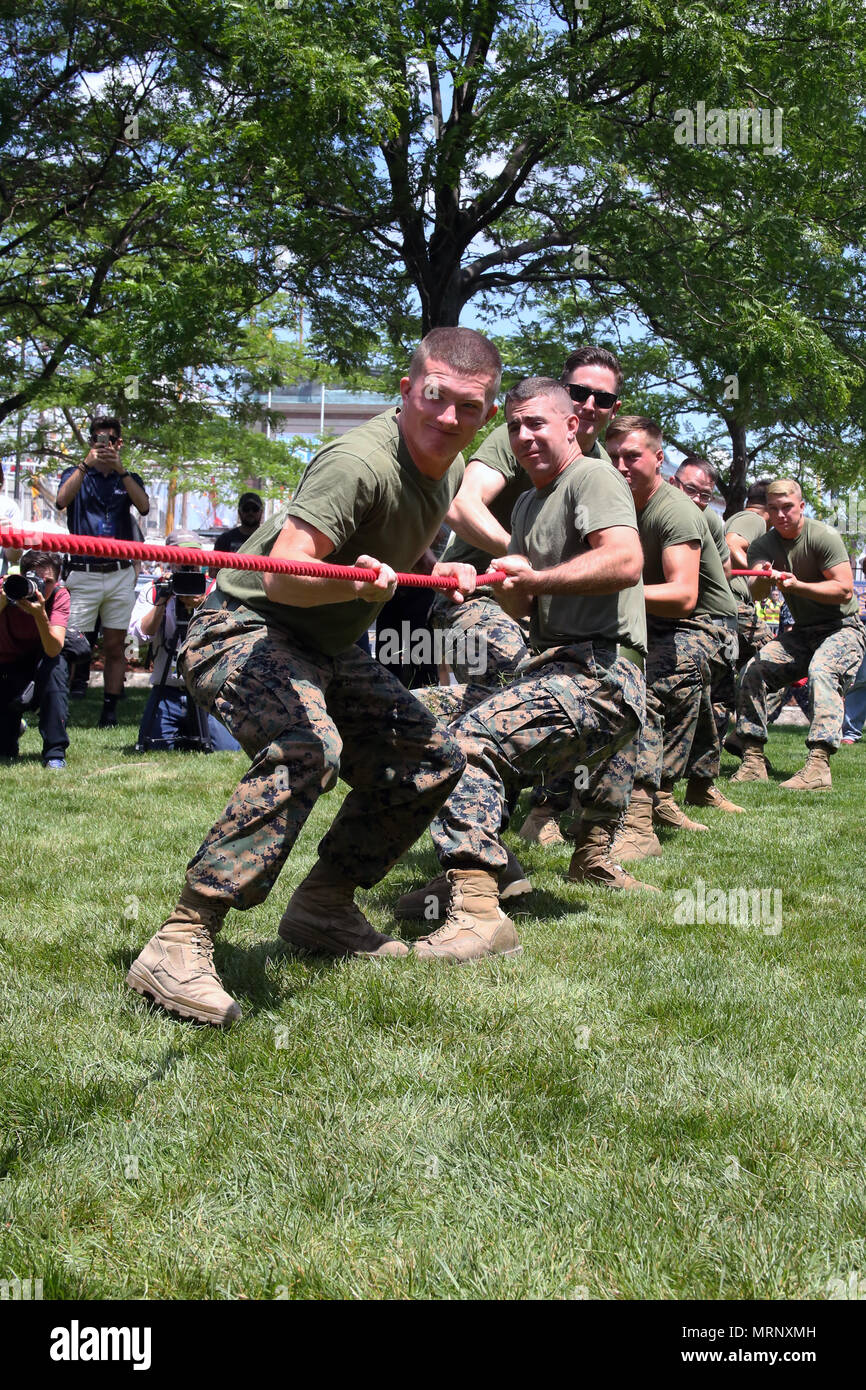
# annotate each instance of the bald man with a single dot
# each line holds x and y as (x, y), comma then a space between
(808, 562)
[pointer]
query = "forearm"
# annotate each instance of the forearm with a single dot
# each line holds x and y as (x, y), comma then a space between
(478, 526)
(149, 624)
(68, 491)
(739, 560)
(137, 495)
(52, 641)
(669, 600)
(603, 571)
(828, 591)
(300, 591)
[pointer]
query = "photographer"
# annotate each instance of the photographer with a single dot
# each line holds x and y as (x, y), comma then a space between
(171, 719)
(34, 615)
(100, 494)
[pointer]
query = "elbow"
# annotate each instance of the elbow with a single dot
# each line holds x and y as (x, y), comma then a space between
(632, 570)
(688, 603)
(143, 511)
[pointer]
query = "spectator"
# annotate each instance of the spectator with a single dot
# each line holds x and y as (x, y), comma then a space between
(251, 511)
(171, 719)
(100, 495)
(32, 667)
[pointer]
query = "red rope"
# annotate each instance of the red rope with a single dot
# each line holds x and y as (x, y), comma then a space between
(98, 546)
(765, 574)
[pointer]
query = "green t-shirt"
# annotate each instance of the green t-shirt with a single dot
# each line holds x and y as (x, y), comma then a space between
(751, 527)
(670, 518)
(550, 527)
(365, 494)
(717, 531)
(497, 454)
(817, 548)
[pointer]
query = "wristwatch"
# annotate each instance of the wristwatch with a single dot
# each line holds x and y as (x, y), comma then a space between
(124, 475)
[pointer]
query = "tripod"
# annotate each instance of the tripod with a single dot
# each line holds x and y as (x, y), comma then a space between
(196, 737)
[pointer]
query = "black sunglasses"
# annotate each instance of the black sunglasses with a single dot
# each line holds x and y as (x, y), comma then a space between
(603, 399)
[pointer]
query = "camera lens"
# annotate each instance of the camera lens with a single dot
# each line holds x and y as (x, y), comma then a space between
(18, 586)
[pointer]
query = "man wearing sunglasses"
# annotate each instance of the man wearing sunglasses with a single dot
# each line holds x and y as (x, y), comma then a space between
(480, 517)
(251, 512)
(100, 494)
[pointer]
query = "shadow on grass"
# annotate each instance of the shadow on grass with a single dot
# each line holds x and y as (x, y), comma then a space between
(245, 975)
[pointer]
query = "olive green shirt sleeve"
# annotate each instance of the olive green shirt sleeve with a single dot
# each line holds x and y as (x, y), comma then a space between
(337, 494)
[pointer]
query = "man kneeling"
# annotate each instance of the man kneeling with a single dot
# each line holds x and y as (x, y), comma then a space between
(574, 567)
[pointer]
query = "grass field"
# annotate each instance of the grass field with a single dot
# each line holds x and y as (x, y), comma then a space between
(639, 1107)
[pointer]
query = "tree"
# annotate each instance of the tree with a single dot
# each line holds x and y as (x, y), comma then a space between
(137, 199)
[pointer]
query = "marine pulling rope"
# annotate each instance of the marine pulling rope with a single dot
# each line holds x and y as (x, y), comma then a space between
(17, 538)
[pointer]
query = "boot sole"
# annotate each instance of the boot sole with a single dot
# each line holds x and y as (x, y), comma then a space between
(143, 983)
(472, 960)
(786, 788)
(615, 887)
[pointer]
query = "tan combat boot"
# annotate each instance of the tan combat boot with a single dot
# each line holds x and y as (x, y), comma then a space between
(814, 776)
(636, 838)
(176, 967)
(430, 903)
(667, 812)
(753, 768)
(701, 791)
(322, 917)
(541, 827)
(592, 862)
(475, 925)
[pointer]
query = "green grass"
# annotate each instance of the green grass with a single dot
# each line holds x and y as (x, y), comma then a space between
(633, 1109)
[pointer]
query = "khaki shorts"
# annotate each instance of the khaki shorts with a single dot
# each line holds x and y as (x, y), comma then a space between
(108, 596)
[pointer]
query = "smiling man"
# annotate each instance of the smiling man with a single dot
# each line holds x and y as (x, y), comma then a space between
(274, 657)
(573, 569)
(808, 562)
(480, 517)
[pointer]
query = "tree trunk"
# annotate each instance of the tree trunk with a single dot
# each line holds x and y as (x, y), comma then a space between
(735, 493)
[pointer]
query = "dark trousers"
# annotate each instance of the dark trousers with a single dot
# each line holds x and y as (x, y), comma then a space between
(51, 679)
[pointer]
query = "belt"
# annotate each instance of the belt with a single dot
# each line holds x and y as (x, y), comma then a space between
(630, 654)
(728, 623)
(100, 566)
(620, 652)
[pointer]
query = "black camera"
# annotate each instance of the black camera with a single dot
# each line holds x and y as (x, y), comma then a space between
(23, 586)
(184, 584)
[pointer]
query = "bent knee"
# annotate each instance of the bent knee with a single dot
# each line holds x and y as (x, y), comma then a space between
(315, 763)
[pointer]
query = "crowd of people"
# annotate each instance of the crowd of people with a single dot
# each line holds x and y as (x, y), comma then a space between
(618, 655)
(48, 632)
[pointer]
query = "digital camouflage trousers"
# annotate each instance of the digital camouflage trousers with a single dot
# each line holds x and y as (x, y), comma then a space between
(304, 719)
(829, 655)
(490, 647)
(571, 712)
(680, 733)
